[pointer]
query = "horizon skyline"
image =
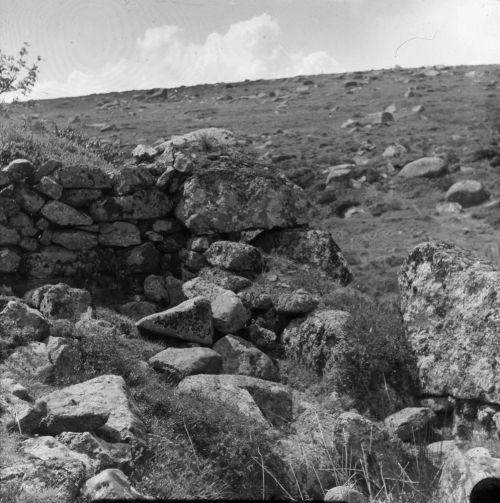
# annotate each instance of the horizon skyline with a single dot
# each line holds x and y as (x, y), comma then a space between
(125, 45)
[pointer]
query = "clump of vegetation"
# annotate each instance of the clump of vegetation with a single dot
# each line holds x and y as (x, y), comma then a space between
(217, 447)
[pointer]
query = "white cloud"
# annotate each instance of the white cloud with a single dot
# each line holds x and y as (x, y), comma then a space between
(164, 58)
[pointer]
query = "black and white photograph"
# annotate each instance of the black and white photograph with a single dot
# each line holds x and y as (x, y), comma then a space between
(250, 250)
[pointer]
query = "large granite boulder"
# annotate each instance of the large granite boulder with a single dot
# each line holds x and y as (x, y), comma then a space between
(226, 200)
(451, 310)
(312, 247)
(237, 257)
(103, 404)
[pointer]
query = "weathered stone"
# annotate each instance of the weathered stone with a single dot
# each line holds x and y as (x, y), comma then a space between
(8, 236)
(47, 448)
(345, 494)
(263, 338)
(224, 200)
(312, 247)
(243, 358)
(467, 193)
(192, 260)
(254, 299)
(273, 400)
(296, 303)
(228, 311)
(30, 361)
(120, 234)
(46, 169)
(65, 355)
(19, 169)
(141, 205)
(78, 198)
(24, 224)
(462, 471)
(224, 279)
(60, 301)
(29, 199)
(144, 153)
(451, 310)
(166, 226)
(411, 423)
(191, 321)
(83, 177)
(155, 288)
(201, 138)
(110, 484)
(49, 187)
(64, 215)
(51, 261)
(184, 362)
(74, 240)
(396, 154)
(103, 454)
(131, 179)
(9, 260)
(237, 257)
(377, 118)
(20, 324)
(102, 404)
(427, 167)
(312, 341)
(144, 258)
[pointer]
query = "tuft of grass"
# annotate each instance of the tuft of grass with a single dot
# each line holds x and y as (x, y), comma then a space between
(217, 447)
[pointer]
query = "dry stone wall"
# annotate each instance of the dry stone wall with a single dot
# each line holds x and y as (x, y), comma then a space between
(100, 225)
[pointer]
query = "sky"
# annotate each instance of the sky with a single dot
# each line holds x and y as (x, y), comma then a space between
(96, 46)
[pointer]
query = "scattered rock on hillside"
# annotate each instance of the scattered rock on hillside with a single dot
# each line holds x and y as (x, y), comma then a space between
(427, 167)
(411, 423)
(228, 311)
(191, 321)
(313, 340)
(467, 193)
(226, 200)
(243, 358)
(263, 338)
(396, 154)
(451, 311)
(313, 247)
(102, 404)
(183, 362)
(271, 399)
(110, 484)
(60, 301)
(236, 257)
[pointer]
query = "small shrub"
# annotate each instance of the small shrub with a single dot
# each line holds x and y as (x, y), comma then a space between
(373, 359)
(217, 436)
(109, 352)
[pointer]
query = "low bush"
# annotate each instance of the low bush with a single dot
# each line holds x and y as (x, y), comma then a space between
(220, 443)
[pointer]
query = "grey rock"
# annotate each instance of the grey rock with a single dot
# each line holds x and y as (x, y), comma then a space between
(184, 362)
(191, 321)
